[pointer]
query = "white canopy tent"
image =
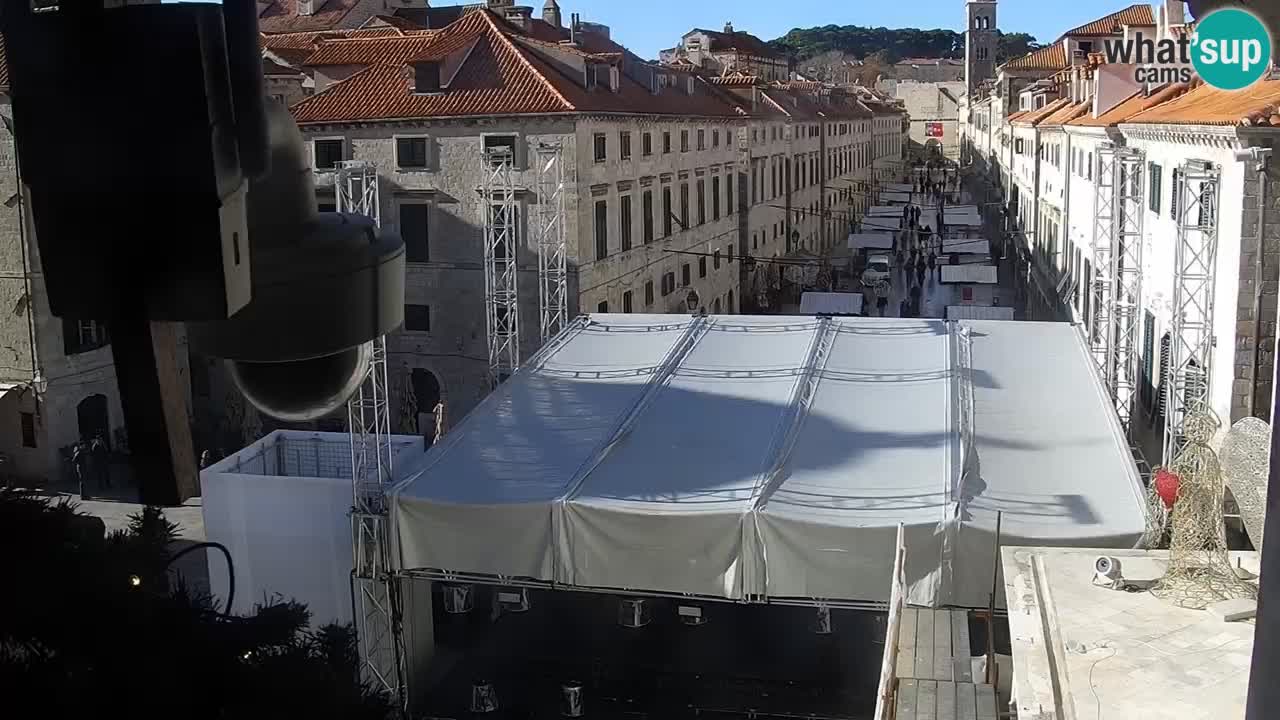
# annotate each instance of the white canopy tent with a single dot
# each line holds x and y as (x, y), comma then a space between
(871, 240)
(881, 224)
(893, 211)
(966, 246)
(972, 273)
(746, 457)
(831, 303)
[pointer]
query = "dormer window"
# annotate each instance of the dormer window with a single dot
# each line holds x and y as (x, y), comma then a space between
(426, 77)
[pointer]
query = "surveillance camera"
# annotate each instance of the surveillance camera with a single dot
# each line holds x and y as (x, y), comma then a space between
(325, 285)
(1107, 567)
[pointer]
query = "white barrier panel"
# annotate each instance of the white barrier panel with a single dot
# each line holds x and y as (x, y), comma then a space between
(282, 506)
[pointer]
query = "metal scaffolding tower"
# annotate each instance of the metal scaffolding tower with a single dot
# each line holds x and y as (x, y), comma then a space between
(553, 273)
(1191, 335)
(1117, 281)
(1102, 334)
(375, 593)
(501, 233)
(1127, 270)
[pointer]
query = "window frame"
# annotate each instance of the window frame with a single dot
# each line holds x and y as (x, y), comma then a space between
(404, 236)
(599, 147)
(426, 152)
(624, 144)
(600, 227)
(408, 315)
(342, 152)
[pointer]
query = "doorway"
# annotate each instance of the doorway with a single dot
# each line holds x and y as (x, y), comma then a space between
(92, 419)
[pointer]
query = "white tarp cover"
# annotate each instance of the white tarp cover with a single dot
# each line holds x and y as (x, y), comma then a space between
(903, 198)
(881, 224)
(736, 456)
(872, 240)
(979, 312)
(966, 246)
(830, 303)
(979, 274)
(885, 211)
(898, 187)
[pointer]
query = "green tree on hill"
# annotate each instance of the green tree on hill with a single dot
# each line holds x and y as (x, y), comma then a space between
(859, 42)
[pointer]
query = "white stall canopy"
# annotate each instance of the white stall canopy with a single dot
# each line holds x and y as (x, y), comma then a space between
(872, 241)
(881, 224)
(973, 273)
(966, 246)
(979, 312)
(831, 303)
(885, 211)
(742, 457)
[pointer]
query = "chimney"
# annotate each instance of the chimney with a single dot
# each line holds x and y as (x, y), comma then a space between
(307, 7)
(573, 29)
(551, 13)
(426, 77)
(520, 15)
(728, 28)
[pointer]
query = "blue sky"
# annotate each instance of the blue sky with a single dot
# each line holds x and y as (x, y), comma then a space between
(646, 26)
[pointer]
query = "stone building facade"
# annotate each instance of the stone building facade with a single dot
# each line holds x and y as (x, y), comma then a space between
(673, 178)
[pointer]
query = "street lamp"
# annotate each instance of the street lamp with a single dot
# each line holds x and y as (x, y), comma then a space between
(691, 301)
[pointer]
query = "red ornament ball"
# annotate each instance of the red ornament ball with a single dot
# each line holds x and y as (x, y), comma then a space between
(1167, 487)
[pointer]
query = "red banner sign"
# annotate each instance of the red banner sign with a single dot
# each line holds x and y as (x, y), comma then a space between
(933, 129)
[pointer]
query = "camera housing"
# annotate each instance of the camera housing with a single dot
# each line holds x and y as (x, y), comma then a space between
(324, 286)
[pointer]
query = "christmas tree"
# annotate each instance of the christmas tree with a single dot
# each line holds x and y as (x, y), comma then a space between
(95, 625)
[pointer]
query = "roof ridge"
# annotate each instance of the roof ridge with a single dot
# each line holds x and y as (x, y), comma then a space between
(513, 47)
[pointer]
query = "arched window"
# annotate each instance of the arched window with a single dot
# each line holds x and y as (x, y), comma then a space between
(426, 389)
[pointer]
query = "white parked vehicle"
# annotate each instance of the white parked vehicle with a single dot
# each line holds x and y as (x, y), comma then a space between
(877, 271)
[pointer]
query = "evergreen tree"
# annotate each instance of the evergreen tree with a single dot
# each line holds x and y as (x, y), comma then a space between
(93, 625)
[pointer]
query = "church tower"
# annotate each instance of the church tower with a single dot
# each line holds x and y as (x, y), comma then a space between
(980, 41)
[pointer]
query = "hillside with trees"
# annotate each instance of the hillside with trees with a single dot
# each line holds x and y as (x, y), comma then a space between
(891, 45)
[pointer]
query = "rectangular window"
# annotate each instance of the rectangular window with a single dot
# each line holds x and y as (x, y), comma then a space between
(414, 224)
(702, 267)
(328, 153)
(684, 141)
(626, 301)
(666, 143)
(1175, 198)
(646, 144)
(728, 192)
(624, 221)
(646, 221)
(715, 260)
(601, 147)
(715, 138)
(602, 229)
(702, 140)
(1089, 167)
(1154, 192)
(411, 152)
(684, 205)
(686, 274)
(715, 198)
(80, 336)
(500, 147)
(417, 318)
(603, 307)
(28, 421)
(728, 251)
(624, 145)
(702, 201)
(648, 293)
(668, 283)
(666, 211)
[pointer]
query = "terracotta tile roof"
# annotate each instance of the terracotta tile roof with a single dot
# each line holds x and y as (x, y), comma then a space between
(1052, 58)
(734, 80)
(1067, 113)
(1135, 104)
(1111, 24)
(370, 51)
(282, 16)
(1258, 104)
(1017, 116)
(4, 68)
(503, 74)
(1033, 117)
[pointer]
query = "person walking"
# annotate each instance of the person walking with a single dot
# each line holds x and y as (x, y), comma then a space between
(920, 270)
(80, 462)
(101, 462)
(933, 263)
(904, 308)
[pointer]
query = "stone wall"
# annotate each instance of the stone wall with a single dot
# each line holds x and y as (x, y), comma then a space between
(1252, 392)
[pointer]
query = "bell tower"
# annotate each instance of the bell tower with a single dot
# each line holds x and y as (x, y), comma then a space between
(980, 40)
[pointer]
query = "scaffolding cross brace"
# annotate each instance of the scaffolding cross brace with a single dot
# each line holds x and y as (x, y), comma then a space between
(376, 602)
(499, 214)
(553, 274)
(1186, 384)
